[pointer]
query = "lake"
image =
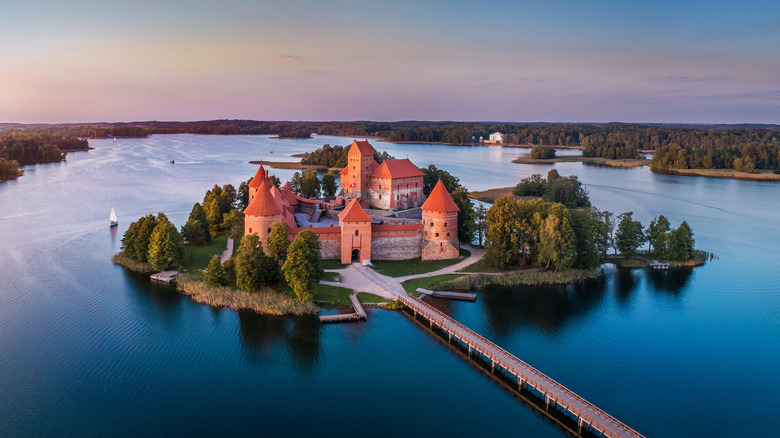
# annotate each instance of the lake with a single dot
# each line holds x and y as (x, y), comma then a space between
(87, 348)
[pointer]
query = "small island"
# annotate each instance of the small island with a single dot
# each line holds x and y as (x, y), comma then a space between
(19, 148)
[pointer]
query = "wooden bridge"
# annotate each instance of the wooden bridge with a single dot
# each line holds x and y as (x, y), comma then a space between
(584, 413)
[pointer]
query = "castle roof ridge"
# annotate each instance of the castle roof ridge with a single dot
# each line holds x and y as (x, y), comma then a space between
(263, 204)
(440, 200)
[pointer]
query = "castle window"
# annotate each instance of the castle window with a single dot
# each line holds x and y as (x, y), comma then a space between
(445, 225)
(380, 196)
(448, 234)
(250, 231)
(437, 234)
(353, 167)
(356, 232)
(431, 223)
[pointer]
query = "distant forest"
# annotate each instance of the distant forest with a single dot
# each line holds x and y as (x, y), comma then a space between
(30, 147)
(740, 147)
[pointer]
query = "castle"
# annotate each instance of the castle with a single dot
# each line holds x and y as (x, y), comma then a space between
(425, 228)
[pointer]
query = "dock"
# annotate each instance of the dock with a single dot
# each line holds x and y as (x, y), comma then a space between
(165, 276)
(358, 315)
(465, 296)
(573, 412)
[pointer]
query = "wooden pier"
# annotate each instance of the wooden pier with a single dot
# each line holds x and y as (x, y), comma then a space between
(465, 296)
(583, 415)
(165, 276)
(358, 315)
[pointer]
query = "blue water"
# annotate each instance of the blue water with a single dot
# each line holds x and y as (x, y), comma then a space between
(88, 349)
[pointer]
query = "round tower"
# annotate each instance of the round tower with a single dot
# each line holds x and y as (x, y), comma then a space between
(261, 213)
(440, 225)
(256, 182)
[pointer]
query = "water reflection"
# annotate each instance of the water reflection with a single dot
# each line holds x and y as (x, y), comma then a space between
(625, 284)
(672, 282)
(547, 308)
(263, 336)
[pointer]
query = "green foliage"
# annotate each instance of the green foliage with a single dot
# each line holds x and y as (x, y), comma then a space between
(241, 200)
(192, 233)
(743, 155)
(9, 169)
(310, 184)
(656, 231)
(275, 179)
(432, 175)
(277, 242)
(198, 214)
(466, 214)
(302, 267)
(135, 242)
(681, 243)
(565, 190)
(629, 235)
(165, 246)
(603, 228)
(27, 147)
(234, 221)
(253, 268)
(217, 202)
(542, 152)
(506, 232)
(215, 274)
(480, 223)
(329, 186)
(584, 225)
(336, 156)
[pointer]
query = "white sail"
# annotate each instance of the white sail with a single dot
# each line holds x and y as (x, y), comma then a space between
(112, 219)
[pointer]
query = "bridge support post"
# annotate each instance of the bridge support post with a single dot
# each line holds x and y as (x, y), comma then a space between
(546, 401)
(579, 427)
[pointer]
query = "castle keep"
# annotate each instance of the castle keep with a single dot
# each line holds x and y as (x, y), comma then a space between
(423, 228)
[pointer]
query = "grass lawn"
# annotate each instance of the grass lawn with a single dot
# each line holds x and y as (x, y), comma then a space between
(330, 276)
(399, 268)
(481, 266)
(332, 296)
(425, 282)
(371, 298)
(202, 253)
(332, 264)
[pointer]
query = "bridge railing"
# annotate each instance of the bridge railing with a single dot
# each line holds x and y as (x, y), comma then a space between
(423, 308)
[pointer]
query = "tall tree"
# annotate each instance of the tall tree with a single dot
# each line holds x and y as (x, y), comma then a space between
(681, 242)
(198, 214)
(277, 242)
(166, 246)
(329, 186)
(584, 226)
(135, 242)
(658, 226)
(630, 234)
(432, 175)
(466, 214)
(480, 223)
(503, 238)
(234, 221)
(253, 268)
(192, 233)
(241, 201)
(215, 274)
(302, 267)
(310, 184)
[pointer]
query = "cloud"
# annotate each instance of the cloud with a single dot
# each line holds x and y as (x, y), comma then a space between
(687, 79)
(292, 58)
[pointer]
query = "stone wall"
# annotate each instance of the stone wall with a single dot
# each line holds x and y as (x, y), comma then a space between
(330, 249)
(412, 213)
(396, 248)
(438, 250)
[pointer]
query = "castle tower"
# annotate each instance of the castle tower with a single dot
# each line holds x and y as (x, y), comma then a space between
(261, 213)
(256, 182)
(440, 225)
(355, 233)
(356, 176)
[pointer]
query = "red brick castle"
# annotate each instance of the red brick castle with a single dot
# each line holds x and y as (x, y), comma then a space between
(424, 228)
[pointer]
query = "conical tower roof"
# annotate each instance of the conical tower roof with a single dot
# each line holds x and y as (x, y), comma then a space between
(440, 200)
(257, 181)
(263, 204)
(354, 213)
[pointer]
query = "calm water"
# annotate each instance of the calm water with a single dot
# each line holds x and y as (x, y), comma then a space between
(86, 348)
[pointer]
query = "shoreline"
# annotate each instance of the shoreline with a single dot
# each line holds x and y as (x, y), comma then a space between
(585, 160)
(721, 173)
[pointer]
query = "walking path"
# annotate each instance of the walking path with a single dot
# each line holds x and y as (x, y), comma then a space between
(228, 252)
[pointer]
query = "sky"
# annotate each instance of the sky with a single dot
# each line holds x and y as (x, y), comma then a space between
(515, 61)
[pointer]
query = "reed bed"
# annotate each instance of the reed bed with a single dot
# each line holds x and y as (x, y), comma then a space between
(531, 278)
(124, 260)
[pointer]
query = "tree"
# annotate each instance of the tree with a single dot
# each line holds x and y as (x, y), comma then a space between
(556, 240)
(135, 242)
(432, 175)
(542, 152)
(234, 221)
(630, 234)
(603, 228)
(165, 246)
(192, 233)
(253, 268)
(310, 184)
(241, 201)
(681, 243)
(213, 213)
(502, 240)
(584, 225)
(295, 183)
(530, 186)
(215, 274)
(198, 214)
(466, 214)
(277, 242)
(658, 226)
(329, 186)
(480, 223)
(302, 267)
(275, 179)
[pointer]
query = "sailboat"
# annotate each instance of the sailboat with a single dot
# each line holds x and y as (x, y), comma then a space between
(112, 220)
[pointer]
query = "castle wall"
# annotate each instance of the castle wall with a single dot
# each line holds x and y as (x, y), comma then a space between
(329, 237)
(396, 248)
(439, 250)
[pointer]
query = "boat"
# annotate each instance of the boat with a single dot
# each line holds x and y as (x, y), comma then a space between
(655, 264)
(114, 139)
(112, 220)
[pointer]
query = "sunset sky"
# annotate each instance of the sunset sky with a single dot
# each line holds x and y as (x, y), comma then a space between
(548, 60)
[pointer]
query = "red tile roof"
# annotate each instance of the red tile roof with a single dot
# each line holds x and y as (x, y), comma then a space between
(440, 200)
(288, 195)
(263, 204)
(396, 169)
(354, 213)
(259, 177)
(363, 146)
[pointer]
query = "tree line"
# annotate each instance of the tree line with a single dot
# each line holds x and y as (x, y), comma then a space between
(9, 169)
(336, 156)
(555, 188)
(26, 147)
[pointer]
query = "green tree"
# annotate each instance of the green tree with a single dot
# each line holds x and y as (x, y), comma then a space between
(603, 228)
(542, 152)
(277, 242)
(302, 267)
(234, 221)
(310, 184)
(503, 238)
(295, 183)
(531, 186)
(166, 246)
(480, 223)
(329, 186)
(432, 175)
(135, 242)
(198, 214)
(192, 233)
(213, 213)
(658, 226)
(241, 201)
(556, 239)
(275, 179)
(630, 234)
(681, 243)
(253, 268)
(215, 274)
(584, 225)
(466, 224)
